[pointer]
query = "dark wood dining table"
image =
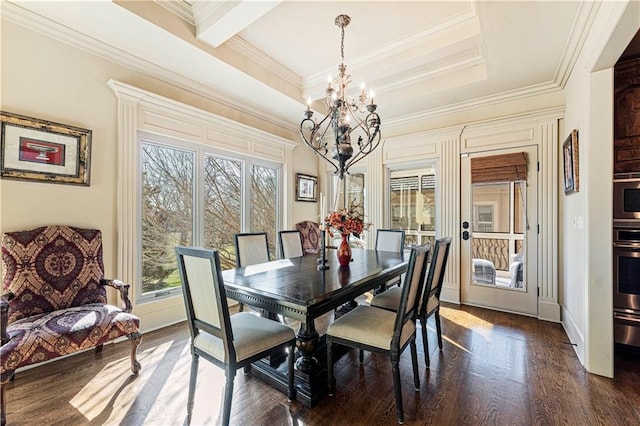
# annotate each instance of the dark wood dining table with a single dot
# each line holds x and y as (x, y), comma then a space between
(296, 288)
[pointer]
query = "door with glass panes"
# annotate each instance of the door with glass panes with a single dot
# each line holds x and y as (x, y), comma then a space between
(499, 202)
(412, 202)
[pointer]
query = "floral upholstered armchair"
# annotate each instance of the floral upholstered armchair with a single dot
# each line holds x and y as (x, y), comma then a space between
(54, 300)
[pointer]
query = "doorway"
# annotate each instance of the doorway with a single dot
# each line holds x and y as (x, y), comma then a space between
(499, 204)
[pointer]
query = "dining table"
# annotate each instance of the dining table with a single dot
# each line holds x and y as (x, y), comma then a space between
(305, 288)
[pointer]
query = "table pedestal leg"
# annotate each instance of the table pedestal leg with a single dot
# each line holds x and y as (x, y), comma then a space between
(307, 344)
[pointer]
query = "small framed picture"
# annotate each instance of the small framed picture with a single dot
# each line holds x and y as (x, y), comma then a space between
(43, 151)
(570, 161)
(306, 188)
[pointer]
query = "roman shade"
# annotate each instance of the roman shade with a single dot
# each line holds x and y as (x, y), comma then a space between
(499, 168)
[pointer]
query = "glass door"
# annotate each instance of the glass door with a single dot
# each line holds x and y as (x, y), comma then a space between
(499, 230)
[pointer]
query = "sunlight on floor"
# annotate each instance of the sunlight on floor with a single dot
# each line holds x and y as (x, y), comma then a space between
(98, 397)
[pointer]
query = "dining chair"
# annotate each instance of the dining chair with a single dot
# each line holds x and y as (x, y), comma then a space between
(390, 240)
(290, 244)
(229, 342)
(379, 330)
(251, 248)
(430, 300)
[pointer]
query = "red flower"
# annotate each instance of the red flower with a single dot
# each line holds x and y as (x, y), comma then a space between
(345, 222)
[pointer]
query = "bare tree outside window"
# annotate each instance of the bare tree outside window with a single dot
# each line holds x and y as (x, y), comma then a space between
(227, 204)
(264, 199)
(223, 207)
(167, 213)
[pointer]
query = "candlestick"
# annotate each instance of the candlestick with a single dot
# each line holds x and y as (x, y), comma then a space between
(322, 260)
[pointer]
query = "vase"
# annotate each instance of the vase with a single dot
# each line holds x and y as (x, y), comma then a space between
(344, 251)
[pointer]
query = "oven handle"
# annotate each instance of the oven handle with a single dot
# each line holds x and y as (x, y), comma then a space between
(632, 318)
(634, 246)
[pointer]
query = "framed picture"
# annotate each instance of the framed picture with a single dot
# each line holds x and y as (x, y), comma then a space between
(306, 188)
(43, 151)
(570, 157)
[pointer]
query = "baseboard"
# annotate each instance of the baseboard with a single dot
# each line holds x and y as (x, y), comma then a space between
(576, 338)
(549, 311)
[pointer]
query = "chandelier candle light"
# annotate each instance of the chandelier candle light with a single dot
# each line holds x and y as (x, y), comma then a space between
(346, 117)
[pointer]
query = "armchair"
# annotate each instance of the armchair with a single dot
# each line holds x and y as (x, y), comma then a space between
(54, 299)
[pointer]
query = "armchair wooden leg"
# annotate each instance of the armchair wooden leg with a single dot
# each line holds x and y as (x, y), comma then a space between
(99, 348)
(135, 338)
(6, 377)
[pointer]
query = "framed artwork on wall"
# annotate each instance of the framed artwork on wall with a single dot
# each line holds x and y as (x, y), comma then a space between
(43, 151)
(570, 161)
(306, 188)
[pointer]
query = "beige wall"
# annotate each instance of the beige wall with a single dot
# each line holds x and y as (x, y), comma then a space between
(50, 80)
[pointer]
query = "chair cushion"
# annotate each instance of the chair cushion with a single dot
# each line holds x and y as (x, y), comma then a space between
(389, 299)
(370, 326)
(251, 335)
(50, 335)
(51, 268)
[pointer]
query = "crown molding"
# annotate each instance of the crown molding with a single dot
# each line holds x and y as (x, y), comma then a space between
(32, 21)
(181, 9)
(244, 48)
(444, 34)
(512, 95)
(580, 29)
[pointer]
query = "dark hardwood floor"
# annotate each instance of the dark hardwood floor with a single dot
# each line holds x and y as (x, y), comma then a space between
(495, 369)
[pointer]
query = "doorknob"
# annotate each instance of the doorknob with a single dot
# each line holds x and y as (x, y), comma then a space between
(465, 235)
(465, 225)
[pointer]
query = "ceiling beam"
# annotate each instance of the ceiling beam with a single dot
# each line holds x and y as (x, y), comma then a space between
(218, 21)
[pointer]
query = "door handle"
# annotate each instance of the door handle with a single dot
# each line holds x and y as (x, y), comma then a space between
(465, 225)
(465, 235)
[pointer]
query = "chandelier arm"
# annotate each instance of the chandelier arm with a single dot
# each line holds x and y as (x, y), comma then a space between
(321, 150)
(361, 154)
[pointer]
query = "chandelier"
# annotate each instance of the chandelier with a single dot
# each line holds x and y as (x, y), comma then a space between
(346, 117)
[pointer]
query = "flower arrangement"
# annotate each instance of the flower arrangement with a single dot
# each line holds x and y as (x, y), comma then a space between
(345, 221)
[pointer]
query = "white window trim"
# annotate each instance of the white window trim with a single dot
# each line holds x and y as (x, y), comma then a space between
(143, 111)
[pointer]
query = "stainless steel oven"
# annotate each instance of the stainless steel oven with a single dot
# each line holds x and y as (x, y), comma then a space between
(626, 200)
(626, 281)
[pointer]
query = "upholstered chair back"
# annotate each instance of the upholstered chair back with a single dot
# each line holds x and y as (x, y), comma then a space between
(251, 248)
(435, 277)
(415, 280)
(51, 268)
(290, 244)
(390, 240)
(310, 232)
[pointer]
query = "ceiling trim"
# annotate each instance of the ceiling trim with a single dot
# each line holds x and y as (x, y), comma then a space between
(27, 19)
(511, 95)
(458, 28)
(577, 37)
(179, 8)
(246, 49)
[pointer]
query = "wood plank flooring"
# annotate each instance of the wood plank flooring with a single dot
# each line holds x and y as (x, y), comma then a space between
(495, 369)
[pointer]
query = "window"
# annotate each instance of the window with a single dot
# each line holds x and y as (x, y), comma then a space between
(413, 204)
(179, 210)
(167, 213)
